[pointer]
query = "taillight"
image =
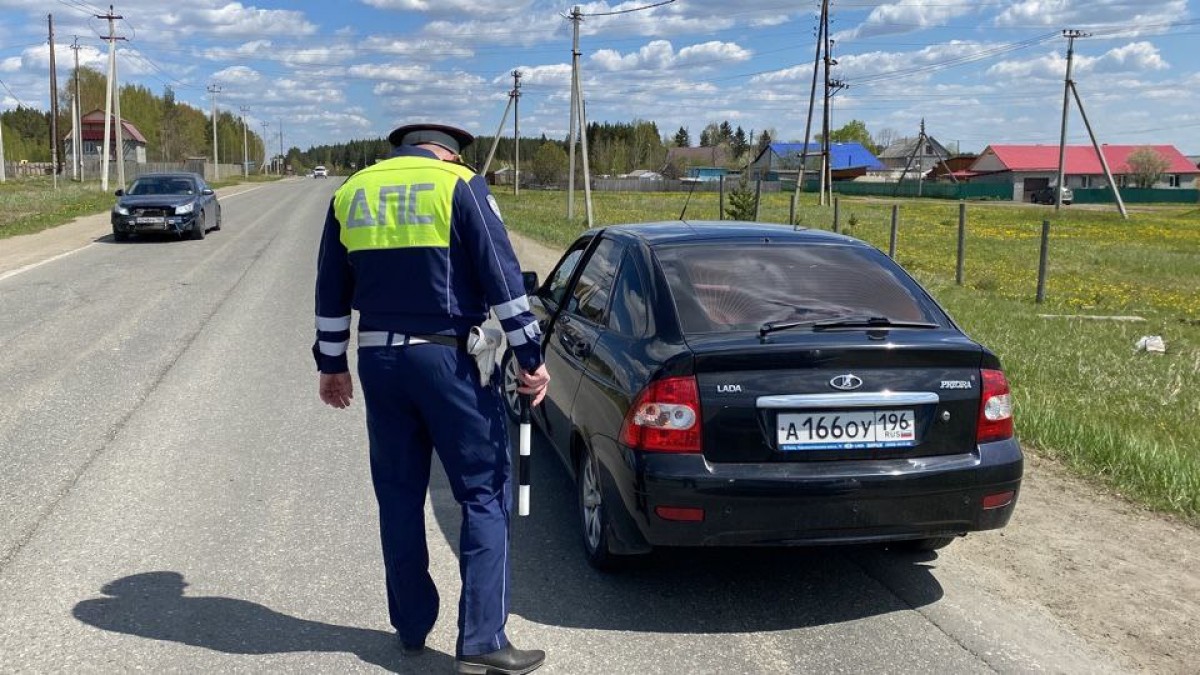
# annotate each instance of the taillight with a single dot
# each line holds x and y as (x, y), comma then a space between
(665, 417)
(995, 408)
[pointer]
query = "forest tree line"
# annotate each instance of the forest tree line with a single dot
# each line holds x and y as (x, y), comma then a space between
(174, 130)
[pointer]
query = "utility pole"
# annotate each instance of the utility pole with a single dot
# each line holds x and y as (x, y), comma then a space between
(499, 130)
(76, 114)
(245, 145)
(1069, 89)
(576, 17)
(282, 157)
(214, 90)
(516, 131)
(55, 157)
(111, 88)
(583, 147)
(266, 128)
(822, 31)
(1062, 138)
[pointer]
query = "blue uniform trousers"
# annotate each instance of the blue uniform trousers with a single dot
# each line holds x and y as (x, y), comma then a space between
(421, 397)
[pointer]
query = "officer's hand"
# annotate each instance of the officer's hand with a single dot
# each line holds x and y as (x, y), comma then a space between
(535, 383)
(337, 389)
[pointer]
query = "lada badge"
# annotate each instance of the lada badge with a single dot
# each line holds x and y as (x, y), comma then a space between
(847, 382)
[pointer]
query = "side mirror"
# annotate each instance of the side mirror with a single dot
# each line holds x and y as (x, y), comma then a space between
(207, 191)
(531, 282)
(119, 193)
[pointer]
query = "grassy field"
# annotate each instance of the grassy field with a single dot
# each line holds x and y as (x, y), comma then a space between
(1084, 395)
(29, 205)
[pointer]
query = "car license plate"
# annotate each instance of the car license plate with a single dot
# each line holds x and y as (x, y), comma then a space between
(850, 430)
(151, 220)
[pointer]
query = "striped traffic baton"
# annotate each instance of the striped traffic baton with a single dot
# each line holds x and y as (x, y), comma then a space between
(523, 459)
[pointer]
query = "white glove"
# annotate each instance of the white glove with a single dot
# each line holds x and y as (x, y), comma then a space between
(483, 344)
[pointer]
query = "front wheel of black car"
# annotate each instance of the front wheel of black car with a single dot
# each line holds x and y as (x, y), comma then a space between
(198, 225)
(593, 515)
(120, 236)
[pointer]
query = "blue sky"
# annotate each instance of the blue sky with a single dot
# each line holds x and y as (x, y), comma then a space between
(977, 71)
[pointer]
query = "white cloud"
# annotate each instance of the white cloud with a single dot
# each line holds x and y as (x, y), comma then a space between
(660, 55)
(237, 75)
(254, 48)
(907, 16)
(1135, 57)
(1093, 13)
(466, 7)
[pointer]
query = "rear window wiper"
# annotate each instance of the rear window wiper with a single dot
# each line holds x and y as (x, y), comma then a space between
(870, 322)
(845, 322)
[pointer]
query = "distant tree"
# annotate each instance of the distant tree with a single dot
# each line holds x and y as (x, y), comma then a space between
(725, 133)
(854, 131)
(549, 163)
(682, 139)
(738, 143)
(886, 137)
(1147, 166)
(764, 139)
(673, 170)
(711, 135)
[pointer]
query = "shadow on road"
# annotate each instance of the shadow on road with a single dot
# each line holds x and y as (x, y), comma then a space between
(153, 605)
(709, 590)
(139, 239)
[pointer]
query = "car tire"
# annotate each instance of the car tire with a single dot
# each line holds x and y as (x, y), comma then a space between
(120, 236)
(199, 226)
(510, 378)
(594, 518)
(925, 545)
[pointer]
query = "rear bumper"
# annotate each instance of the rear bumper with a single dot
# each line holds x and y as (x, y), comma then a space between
(811, 503)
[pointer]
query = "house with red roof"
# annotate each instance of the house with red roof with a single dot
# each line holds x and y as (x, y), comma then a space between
(92, 128)
(1032, 167)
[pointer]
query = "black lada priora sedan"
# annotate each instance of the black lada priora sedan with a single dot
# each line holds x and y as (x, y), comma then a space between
(729, 383)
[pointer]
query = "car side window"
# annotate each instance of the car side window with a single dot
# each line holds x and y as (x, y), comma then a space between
(591, 292)
(557, 288)
(629, 313)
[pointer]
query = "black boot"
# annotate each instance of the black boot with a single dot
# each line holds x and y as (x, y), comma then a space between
(507, 661)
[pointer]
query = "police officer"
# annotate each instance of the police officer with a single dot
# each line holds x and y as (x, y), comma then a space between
(416, 244)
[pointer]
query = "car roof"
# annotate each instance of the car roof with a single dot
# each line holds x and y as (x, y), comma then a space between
(167, 174)
(689, 231)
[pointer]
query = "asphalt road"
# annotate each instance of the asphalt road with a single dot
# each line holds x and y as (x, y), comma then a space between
(173, 497)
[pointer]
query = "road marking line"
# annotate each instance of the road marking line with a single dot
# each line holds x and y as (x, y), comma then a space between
(13, 273)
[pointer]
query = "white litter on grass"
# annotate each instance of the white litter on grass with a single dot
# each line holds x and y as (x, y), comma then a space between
(1151, 343)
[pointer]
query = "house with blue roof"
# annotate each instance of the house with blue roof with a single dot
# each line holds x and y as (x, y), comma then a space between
(782, 160)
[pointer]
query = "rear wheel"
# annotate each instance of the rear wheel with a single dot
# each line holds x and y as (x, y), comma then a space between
(927, 544)
(594, 517)
(512, 377)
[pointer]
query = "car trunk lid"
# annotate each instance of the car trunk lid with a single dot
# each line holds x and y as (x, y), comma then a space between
(811, 396)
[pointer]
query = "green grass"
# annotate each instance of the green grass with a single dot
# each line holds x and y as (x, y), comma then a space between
(29, 205)
(1084, 396)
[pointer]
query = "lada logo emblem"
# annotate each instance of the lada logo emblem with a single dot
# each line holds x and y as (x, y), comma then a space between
(847, 382)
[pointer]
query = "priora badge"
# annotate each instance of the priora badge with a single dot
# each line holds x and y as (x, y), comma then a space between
(846, 382)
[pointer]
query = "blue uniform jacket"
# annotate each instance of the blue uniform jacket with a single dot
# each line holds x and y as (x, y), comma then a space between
(426, 289)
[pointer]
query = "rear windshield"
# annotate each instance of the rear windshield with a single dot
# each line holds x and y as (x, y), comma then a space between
(728, 286)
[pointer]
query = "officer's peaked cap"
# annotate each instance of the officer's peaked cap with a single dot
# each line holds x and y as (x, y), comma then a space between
(451, 138)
